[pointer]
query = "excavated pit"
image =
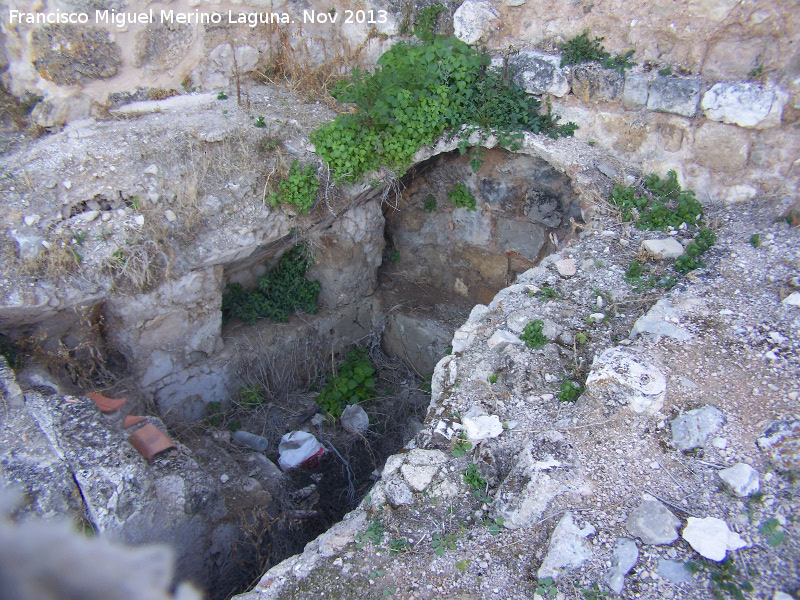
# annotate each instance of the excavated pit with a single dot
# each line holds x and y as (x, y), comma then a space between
(436, 262)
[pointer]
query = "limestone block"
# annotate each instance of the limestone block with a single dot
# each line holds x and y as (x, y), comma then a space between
(161, 45)
(711, 537)
(653, 523)
(692, 429)
(635, 92)
(54, 112)
(675, 95)
(539, 73)
(220, 67)
(474, 19)
(721, 147)
(625, 377)
(592, 83)
(75, 54)
(733, 58)
(742, 479)
(663, 249)
(743, 104)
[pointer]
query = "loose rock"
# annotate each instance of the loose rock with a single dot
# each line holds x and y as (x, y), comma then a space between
(622, 376)
(742, 479)
(653, 523)
(568, 548)
(781, 443)
(693, 429)
(622, 561)
(711, 537)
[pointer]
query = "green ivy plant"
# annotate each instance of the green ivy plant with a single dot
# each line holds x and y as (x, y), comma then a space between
(569, 391)
(689, 260)
(417, 92)
(532, 334)
(299, 188)
(354, 383)
(461, 197)
(283, 290)
(666, 204)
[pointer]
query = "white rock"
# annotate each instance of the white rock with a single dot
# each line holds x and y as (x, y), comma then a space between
(742, 479)
(625, 377)
(89, 216)
(474, 19)
(792, 299)
(421, 466)
(622, 561)
(139, 220)
(67, 184)
(663, 249)
(539, 73)
(151, 170)
(566, 267)
(711, 538)
(31, 220)
(500, 339)
(568, 548)
(459, 287)
(742, 104)
(170, 216)
(479, 425)
(30, 246)
(398, 493)
(659, 321)
(781, 596)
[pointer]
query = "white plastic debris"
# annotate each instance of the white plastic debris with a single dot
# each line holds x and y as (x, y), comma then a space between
(354, 419)
(296, 448)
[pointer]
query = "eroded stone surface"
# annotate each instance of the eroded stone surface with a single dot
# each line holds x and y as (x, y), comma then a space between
(75, 54)
(692, 430)
(653, 523)
(568, 548)
(625, 378)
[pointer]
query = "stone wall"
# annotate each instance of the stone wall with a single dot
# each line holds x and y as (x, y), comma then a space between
(715, 94)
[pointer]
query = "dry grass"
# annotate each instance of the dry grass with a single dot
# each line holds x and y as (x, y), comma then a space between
(293, 63)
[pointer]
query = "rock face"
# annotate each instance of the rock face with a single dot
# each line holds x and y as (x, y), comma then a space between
(568, 549)
(674, 95)
(539, 73)
(593, 83)
(781, 443)
(473, 20)
(743, 104)
(71, 54)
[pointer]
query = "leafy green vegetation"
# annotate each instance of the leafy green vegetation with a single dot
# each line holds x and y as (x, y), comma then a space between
(417, 92)
(283, 290)
(548, 293)
(726, 579)
(581, 49)
(222, 96)
(569, 391)
(770, 529)
(666, 205)
(594, 592)
(461, 446)
(354, 383)
(260, 123)
(442, 543)
(755, 240)
(298, 188)
(430, 203)
(398, 547)
(688, 261)
(532, 334)
(493, 378)
(473, 479)
(426, 22)
(251, 396)
(374, 534)
(547, 587)
(461, 197)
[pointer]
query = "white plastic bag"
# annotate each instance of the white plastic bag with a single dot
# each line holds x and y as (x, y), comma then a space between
(354, 419)
(298, 447)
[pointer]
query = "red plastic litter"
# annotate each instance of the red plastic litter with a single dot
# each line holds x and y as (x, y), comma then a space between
(106, 405)
(312, 462)
(150, 440)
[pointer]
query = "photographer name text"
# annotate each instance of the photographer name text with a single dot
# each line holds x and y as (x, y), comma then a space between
(197, 17)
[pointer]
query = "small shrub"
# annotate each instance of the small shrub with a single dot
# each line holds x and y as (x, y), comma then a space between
(667, 206)
(354, 383)
(442, 543)
(430, 203)
(493, 378)
(374, 534)
(666, 71)
(726, 579)
(223, 96)
(594, 593)
(548, 293)
(398, 547)
(770, 529)
(689, 260)
(569, 391)
(251, 396)
(461, 446)
(581, 49)
(634, 270)
(461, 197)
(282, 290)
(755, 240)
(473, 479)
(547, 587)
(426, 22)
(260, 123)
(532, 334)
(299, 188)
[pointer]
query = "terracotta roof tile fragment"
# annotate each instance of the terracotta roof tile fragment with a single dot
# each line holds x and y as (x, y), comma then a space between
(106, 405)
(132, 420)
(150, 440)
